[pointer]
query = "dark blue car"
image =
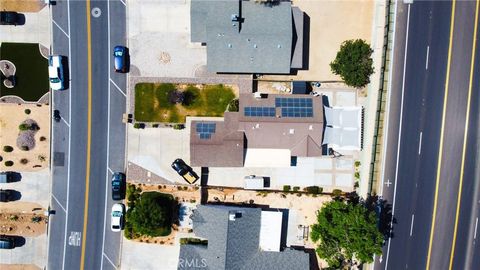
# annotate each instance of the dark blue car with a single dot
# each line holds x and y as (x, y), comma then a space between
(120, 59)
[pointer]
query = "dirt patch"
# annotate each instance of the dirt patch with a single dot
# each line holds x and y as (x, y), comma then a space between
(11, 116)
(25, 219)
(22, 5)
(19, 267)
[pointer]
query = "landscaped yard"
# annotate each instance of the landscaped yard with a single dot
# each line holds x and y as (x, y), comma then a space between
(31, 70)
(172, 103)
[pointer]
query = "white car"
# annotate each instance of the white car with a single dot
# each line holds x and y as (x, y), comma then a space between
(118, 210)
(56, 72)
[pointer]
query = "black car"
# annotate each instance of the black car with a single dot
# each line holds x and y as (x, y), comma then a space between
(7, 242)
(8, 18)
(118, 184)
(184, 171)
(6, 177)
(5, 195)
(56, 115)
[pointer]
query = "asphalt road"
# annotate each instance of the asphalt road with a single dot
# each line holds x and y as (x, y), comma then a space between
(424, 195)
(79, 232)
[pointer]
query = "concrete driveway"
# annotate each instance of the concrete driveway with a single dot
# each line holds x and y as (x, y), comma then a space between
(35, 30)
(159, 39)
(154, 149)
(34, 187)
(31, 251)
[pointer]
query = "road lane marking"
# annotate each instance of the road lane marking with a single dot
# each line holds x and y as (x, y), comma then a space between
(399, 136)
(465, 135)
(74, 239)
(125, 4)
(475, 233)
(426, 61)
(58, 202)
(110, 261)
(411, 224)
(420, 144)
(89, 132)
(123, 93)
(69, 133)
(108, 139)
(61, 29)
(442, 131)
(66, 123)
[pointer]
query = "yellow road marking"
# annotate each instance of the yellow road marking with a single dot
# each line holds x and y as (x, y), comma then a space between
(472, 65)
(89, 129)
(440, 150)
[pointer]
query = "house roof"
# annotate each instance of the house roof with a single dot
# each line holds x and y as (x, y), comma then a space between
(233, 243)
(246, 37)
(223, 148)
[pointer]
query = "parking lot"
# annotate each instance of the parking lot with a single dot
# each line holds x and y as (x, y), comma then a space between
(35, 30)
(159, 39)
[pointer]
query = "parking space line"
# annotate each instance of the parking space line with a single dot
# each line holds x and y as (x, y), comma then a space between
(123, 93)
(108, 259)
(61, 29)
(65, 121)
(125, 4)
(61, 206)
(110, 170)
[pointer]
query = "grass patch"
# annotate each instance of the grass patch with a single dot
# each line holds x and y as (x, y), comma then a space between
(31, 71)
(152, 102)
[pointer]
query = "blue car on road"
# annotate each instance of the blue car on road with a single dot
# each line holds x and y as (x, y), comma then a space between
(120, 54)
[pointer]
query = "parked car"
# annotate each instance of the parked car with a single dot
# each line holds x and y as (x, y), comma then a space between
(7, 242)
(118, 186)
(184, 171)
(56, 115)
(118, 211)
(56, 72)
(120, 57)
(8, 18)
(6, 177)
(5, 195)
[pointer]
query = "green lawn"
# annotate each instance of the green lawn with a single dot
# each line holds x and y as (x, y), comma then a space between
(153, 104)
(32, 70)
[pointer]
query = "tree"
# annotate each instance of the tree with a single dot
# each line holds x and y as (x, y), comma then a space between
(354, 63)
(347, 232)
(152, 214)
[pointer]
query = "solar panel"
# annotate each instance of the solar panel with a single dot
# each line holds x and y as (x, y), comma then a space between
(295, 107)
(205, 130)
(259, 111)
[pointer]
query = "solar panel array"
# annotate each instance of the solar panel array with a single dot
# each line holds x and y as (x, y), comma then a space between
(260, 111)
(205, 130)
(295, 107)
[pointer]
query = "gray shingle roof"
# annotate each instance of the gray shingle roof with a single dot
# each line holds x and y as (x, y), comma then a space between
(235, 244)
(260, 42)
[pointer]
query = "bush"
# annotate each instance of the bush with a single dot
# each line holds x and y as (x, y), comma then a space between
(354, 63)
(132, 195)
(296, 189)
(233, 105)
(8, 163)
(27, 111)
(178, 126)
(139, 125)
(152, 214)
(357, 163)
(14, 218)
(286, 188)
(313, 189)
(41, 158)
(192, 98)
(7, 148)
(337, 192)
(42, 138)
(24, 148)
(357, 175)
(23, 127)
(23, 161)
(36, 219)
(175, 97)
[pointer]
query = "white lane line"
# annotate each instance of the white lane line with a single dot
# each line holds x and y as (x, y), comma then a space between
(58, 202)
(61, 29)
(123, 93)
(411, 225)
(108, 143)
(399, 134)
(110, 170)
(426, 61)
(108, 259)
(125, 4)
(65, 121)
(420, 144)
(69, 133)
(475, 233)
